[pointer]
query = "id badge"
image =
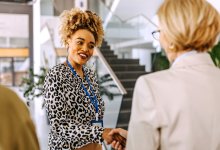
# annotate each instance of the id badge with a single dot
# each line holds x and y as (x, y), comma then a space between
(97, 123)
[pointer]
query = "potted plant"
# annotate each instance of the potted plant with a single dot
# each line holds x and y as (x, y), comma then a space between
(107, 87)
(32, 87)
(215, 54)
(160, 61)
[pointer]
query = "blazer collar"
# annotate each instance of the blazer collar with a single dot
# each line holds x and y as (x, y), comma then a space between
(193, 60)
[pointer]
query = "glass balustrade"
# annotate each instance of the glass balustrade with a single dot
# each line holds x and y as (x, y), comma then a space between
(110, 93)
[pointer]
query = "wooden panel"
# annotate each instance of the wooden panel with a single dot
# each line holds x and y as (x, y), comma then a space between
(14, 52)
(24, 52)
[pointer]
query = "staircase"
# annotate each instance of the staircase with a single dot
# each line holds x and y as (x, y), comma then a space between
(127, 71)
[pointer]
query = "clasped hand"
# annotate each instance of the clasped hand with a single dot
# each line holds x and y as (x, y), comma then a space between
(115, 137)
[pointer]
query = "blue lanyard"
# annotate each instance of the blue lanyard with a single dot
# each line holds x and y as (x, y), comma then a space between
(94, 100)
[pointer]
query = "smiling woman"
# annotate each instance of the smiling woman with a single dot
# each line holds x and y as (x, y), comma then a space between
(72, 99)
(81, 47)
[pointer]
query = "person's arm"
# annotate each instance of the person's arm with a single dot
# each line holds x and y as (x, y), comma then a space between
(68, 129)
(113, 133)
(143, 128)
(17, 130)
(95, 85)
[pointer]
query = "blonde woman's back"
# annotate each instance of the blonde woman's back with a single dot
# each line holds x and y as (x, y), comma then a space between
(177, 109)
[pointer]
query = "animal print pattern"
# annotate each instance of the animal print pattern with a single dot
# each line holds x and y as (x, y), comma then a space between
(69, 109)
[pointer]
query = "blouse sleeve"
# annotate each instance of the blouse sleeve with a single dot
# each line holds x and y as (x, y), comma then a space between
(69, 131)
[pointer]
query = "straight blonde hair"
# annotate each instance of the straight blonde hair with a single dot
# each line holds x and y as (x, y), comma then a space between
(189, 24)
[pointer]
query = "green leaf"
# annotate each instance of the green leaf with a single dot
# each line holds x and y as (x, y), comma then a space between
(215, 54)
(159, 62)
(32, 86)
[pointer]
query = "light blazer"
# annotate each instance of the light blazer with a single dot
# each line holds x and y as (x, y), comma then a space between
(177, 109)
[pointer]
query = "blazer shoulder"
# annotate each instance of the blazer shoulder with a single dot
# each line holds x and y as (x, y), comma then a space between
(160, 74)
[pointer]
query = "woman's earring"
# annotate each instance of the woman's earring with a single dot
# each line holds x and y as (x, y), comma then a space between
(171, 47)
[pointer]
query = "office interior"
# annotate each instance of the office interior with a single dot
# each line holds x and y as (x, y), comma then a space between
(30, 45)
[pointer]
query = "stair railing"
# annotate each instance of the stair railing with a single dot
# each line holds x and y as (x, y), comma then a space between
(111, 72)
(124, 35)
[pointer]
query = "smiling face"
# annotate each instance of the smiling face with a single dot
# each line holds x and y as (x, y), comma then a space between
(81, 47)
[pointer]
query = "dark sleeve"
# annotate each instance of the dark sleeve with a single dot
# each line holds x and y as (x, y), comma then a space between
(66, 128)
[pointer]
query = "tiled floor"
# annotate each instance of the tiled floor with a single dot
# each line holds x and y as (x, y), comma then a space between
(39, 117)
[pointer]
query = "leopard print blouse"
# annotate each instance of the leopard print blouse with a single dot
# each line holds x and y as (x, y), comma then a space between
(69, 109)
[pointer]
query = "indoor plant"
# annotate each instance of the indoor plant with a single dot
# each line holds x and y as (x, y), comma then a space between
(32, 86)
(215, 54)
(160, 61)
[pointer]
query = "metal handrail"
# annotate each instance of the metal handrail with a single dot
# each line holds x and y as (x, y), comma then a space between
(142, 15)
(109, 10)
(111, 72)
(126, 20)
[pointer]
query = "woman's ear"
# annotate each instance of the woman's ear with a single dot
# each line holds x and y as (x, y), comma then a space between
(68, 41)
(171, 46)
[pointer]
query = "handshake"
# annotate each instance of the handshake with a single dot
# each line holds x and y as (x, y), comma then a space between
(117, 138)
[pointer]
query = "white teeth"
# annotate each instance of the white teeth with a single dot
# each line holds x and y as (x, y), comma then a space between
(83, 55)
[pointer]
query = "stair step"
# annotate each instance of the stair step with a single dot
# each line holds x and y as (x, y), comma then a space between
(104, 43)
(127, 67)
(129, 93)
(122, 61)
(105, 47)
(126, 103)
(107, 52)
(124, 116)
(122, 125)
(128, 83)
(129, 74)
(110, 56)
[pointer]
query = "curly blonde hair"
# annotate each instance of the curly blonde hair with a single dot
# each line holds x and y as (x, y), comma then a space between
(75, 19)
(189, 24)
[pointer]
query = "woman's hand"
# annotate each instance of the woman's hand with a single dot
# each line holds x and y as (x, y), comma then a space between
(118, 143)
(105, 135)
(117, 146)
(120, 131)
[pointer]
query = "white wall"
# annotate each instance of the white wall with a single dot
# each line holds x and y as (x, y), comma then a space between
(14, 25)
(215, 3)
(144, 55)
(53, 24)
